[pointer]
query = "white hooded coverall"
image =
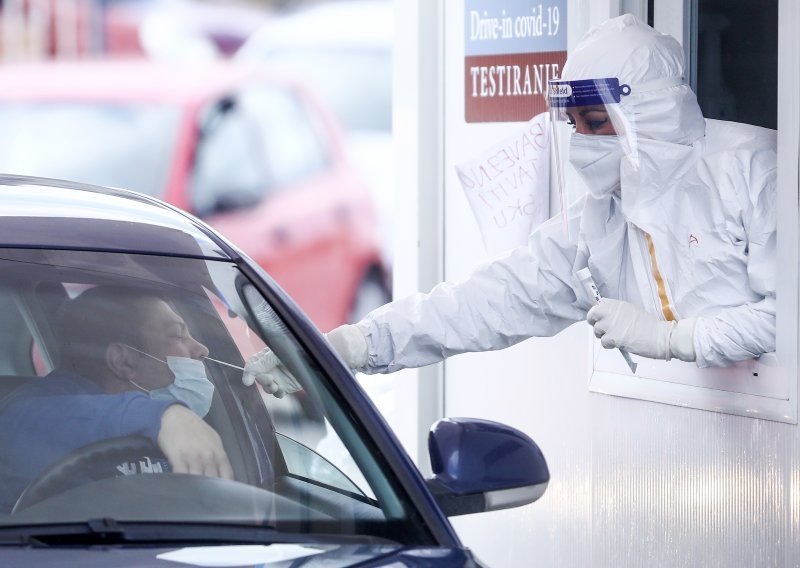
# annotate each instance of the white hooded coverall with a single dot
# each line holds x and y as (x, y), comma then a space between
(691, 233)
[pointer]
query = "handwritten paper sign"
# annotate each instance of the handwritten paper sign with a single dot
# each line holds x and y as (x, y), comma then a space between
(508, 186)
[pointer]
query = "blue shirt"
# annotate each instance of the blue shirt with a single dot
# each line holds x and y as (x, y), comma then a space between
(46, 418)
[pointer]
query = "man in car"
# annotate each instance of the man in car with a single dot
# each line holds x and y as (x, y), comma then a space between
(128, 366)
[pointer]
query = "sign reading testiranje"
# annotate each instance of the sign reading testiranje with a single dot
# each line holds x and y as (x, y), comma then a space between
(512, 49)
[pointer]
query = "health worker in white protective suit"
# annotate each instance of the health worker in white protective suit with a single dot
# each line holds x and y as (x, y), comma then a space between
(678, 230)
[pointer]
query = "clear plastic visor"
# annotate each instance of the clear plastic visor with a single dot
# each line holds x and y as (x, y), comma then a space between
(588, 107)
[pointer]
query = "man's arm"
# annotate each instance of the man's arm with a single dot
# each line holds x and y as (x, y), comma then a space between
(191, 445)
(47, 427)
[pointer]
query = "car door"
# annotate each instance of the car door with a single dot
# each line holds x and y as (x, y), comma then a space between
(267, 178)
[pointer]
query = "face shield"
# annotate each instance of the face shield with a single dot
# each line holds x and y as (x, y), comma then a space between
(591, 133)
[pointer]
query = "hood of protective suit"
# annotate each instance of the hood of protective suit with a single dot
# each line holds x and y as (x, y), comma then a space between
(659, 124)
(663, 108)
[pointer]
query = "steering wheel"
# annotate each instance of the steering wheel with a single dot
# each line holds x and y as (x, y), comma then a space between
(87, 463)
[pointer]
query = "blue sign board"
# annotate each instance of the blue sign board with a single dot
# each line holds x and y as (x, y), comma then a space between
(512, 50)
(493, 27)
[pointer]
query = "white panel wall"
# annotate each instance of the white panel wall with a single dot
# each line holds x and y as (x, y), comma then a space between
(633, 483)
(411, 400)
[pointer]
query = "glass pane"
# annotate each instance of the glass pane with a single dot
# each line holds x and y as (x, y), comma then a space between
(291, 143)
(130, 340)
(357, 83)
(229, 170)
(737, 60)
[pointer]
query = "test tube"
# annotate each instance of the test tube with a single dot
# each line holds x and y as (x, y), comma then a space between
(585, 276)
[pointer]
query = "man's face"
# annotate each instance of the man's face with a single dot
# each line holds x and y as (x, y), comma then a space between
(590, 120)
(164, 334)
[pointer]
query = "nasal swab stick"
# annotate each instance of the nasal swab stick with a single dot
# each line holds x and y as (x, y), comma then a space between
(224, 363)
(585, 276)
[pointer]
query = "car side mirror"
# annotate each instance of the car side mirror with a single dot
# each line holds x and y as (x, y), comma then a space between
(479, 466)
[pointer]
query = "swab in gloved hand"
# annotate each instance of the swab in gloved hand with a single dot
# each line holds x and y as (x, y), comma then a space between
(267, 370)
(273, 377)
(585, 276)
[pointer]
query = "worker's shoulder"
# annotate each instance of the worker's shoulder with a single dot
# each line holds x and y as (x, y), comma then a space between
(733, 148)
(726, 136)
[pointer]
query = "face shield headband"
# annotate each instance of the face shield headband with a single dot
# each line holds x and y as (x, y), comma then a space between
(586, 92)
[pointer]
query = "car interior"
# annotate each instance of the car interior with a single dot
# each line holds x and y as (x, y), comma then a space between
(281, 480)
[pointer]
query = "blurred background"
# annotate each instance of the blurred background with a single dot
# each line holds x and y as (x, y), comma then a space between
(269, 119)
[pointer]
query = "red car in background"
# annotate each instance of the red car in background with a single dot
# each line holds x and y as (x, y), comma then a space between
(156, 27)
(251, 152)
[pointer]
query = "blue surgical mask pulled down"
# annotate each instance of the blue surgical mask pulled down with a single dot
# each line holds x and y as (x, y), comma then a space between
(191, 385)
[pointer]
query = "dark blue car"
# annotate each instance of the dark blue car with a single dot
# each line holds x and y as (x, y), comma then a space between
(87, 478)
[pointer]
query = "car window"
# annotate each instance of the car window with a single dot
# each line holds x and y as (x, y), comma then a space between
(16, 339)
(119, 145)
(307, 441)
(82, 442)
(356, 82)
(229, 171)
(293, 146)
(260, 141)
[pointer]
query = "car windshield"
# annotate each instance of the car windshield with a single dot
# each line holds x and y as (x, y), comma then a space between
(356, 82)
(96, 347)
(117, 145)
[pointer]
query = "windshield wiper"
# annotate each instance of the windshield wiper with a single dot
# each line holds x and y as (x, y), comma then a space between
(107, 531)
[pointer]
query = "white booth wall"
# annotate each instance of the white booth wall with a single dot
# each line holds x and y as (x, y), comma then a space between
(633, 483)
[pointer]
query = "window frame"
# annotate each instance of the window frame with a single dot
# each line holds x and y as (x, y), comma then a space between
(683, 384)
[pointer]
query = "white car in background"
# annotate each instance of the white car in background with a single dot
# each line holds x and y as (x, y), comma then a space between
(343, 49)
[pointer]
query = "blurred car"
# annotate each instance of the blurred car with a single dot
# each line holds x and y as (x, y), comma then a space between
(179, 28)
(343, 48)
(254, 154)
(98, 504)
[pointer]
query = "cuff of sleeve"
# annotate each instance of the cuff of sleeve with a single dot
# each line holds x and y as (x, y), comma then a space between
(371, 337)
(681, 342)
(351, 344)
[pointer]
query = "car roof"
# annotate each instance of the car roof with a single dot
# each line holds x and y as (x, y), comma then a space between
(54, 214)
(132, 80)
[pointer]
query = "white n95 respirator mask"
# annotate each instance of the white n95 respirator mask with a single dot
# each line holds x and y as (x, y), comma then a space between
(597, 160)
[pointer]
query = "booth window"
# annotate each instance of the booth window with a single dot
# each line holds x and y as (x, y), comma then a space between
(732, 63)
(733, 59)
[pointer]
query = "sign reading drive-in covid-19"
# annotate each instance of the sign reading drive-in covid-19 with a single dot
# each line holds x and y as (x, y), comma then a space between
(512, 49)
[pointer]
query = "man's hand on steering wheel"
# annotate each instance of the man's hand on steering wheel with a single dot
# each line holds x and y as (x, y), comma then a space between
(191, 445)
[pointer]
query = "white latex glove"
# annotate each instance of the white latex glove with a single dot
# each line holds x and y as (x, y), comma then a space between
(265, 368)
(623, 325)
(351, 345)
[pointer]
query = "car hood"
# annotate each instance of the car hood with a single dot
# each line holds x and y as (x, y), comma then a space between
(278, 555)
